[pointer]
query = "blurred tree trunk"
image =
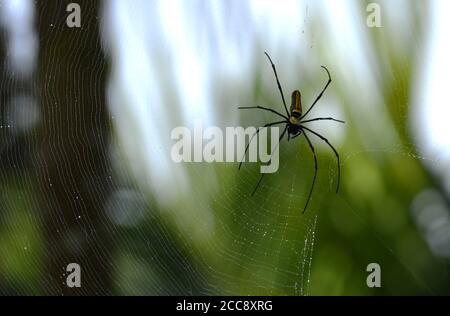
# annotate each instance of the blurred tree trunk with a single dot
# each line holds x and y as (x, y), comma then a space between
(74, 150)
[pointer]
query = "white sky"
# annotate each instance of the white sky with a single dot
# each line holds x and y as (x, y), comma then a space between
(192, 45)
(431, 109)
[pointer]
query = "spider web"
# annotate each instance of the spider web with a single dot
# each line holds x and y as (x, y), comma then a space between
(246, 245)
(272, 242)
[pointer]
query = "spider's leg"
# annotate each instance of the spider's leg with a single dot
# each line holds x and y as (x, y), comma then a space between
(321, 93)
(262, 108)
(295, 136)
(334, 150)
(278, 83)
(262, 176)
(323, 119)
(315, 171)
(256, 133)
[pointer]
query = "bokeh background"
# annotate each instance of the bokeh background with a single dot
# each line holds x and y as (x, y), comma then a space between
(86, 174)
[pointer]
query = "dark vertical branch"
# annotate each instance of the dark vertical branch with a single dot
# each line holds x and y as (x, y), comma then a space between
(74, 171)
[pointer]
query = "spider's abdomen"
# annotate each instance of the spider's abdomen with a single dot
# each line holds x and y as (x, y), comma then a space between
(296, 104)
(294, 130)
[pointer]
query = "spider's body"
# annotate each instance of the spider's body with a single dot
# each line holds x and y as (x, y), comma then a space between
(294, 128)
(295, 125)
(296, 104)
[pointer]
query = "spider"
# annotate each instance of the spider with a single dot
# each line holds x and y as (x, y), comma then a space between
(295, 120)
